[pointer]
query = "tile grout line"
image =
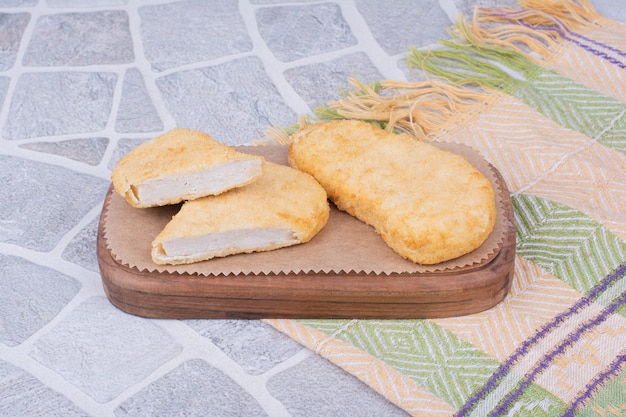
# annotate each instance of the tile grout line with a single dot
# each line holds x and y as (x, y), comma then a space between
(144, 67)
(386, 64)
(273, 67)
(200, 347)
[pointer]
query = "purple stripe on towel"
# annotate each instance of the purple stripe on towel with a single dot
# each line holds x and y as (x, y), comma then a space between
(596, 52)
(570, 36)
(594, 385)
(547, 359)
(613, 49)
(547, 328)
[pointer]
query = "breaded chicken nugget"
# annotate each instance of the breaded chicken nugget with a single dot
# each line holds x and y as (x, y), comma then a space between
(283, 207)
(180, 165)
(428, 205)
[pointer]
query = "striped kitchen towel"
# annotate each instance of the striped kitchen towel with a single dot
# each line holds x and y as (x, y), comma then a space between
(569, 37)
(540, 92)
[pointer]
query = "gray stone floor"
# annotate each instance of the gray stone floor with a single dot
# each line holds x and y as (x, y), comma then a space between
(84, 81)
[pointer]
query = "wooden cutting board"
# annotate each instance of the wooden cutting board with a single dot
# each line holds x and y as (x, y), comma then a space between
(398, 295)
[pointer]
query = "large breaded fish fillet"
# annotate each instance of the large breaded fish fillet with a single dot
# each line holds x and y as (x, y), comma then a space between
(283, 207)
(429, 205)
(180, 165)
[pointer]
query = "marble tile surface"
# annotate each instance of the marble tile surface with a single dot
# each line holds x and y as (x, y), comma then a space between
(84, 81)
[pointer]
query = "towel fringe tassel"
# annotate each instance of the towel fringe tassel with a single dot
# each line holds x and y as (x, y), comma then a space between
(576, 14)
(417, 108)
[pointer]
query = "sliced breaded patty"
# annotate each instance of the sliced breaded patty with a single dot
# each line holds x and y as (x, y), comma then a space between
(429, 205)
(181, 165)
(283, 207)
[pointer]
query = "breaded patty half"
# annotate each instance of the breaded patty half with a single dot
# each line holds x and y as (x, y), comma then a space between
(283, 207)
(428, 205)
(180, 165)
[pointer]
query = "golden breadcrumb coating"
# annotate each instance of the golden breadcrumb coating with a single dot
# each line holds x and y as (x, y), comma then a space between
(285, 205)
(177, 153)
(429, 205)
